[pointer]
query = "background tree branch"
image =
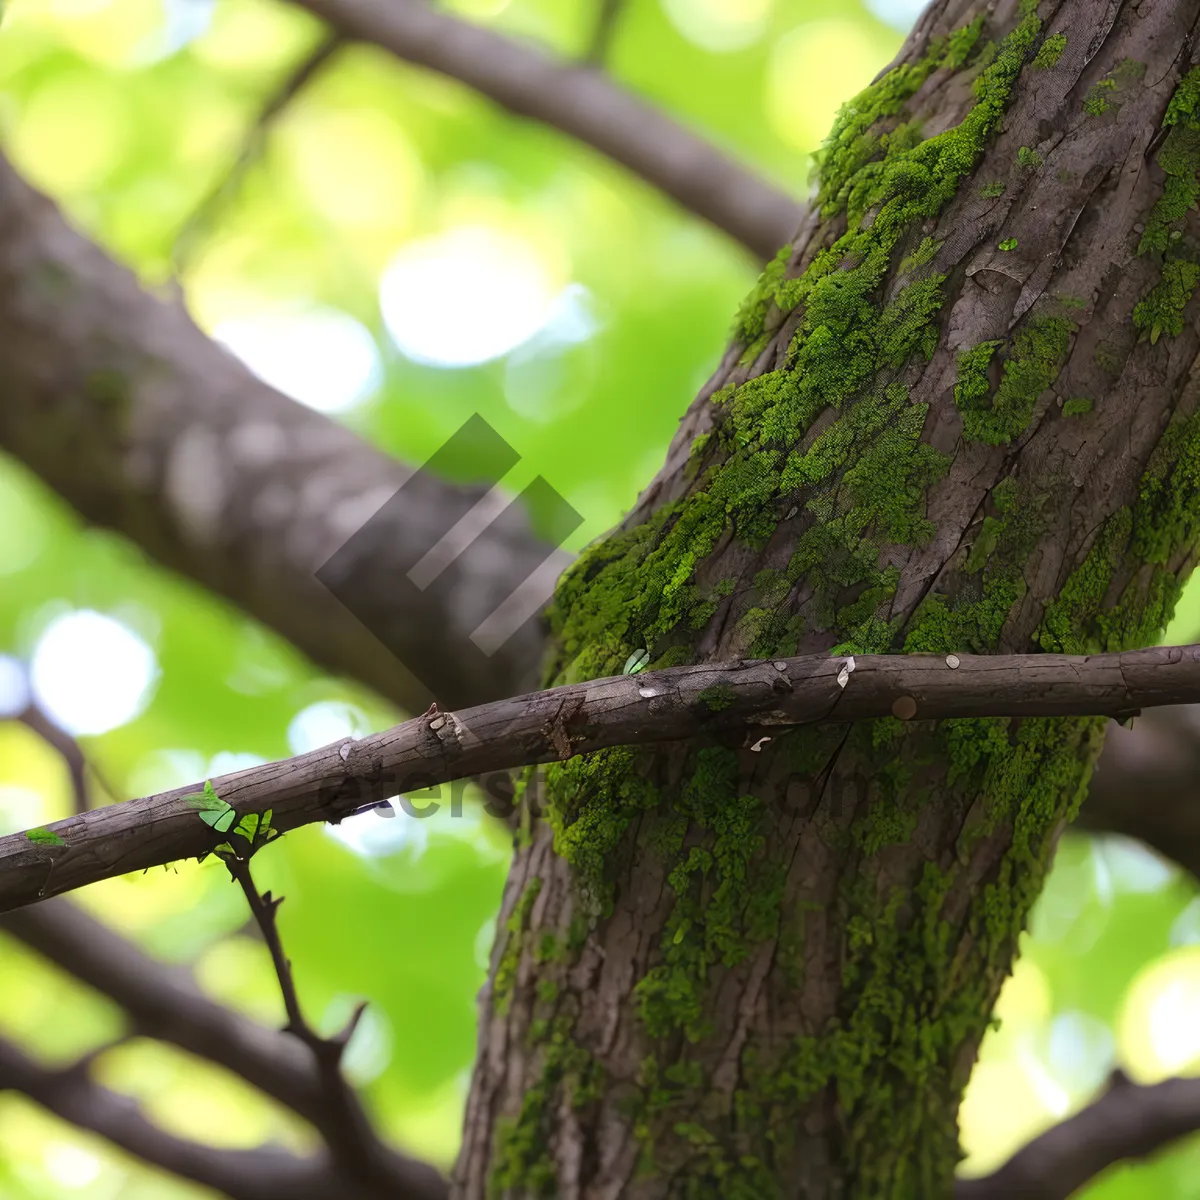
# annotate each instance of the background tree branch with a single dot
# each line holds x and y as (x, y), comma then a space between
(582, 103)
(146, 426)
(296, 80)
(1145, 784)
(1128, 1121)
(684, 702)
(265, 1173)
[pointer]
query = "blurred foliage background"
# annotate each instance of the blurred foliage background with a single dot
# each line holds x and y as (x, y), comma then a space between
(402, 255)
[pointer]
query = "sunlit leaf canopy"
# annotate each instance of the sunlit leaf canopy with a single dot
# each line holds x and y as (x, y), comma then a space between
(403, 255)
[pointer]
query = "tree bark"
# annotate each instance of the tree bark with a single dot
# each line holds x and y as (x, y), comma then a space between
(959, 416)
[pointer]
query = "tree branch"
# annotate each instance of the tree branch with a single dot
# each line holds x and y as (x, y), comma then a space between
(582, 103)
(303, 1073)
(296, 80)
(145, 426)
(608, 14)
(1144, 785)
(164, 1002)
(262, 1174)
(347, 1132)
(1128, 1121)
(756, 696)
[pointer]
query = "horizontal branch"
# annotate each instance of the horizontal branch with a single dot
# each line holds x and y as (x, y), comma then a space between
(332, 782)
(1128, 1121)
(265, 1173)
(582, 102)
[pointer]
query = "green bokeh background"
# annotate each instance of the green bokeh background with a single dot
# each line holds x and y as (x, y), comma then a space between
(127, 112)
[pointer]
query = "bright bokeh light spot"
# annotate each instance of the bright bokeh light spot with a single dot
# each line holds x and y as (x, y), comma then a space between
(72, 132)
(719, 26)
(21, 808)
(369, 1049)
(466, 296)
(1025, 999)
(356, 166)
(91, 673)
(1124, 865)
(479, 10)
(71, 1166)
(325, 722)
(1185, 930)
(23, 525)
(321, 357)
(372, 834)
(1012, 1095)
(539, 382)
(253, 35)
(14, 686)
(484, 940)
(1080, 1051)
(899, 14)
(1004, 1106)
(1158, 1030)
(114, 33)
(812, 71)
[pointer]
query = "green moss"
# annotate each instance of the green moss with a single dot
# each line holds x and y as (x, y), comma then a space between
(718, 697)
(598, 795)
(1099, 97)
(510, 958)
(521, 1161)
(720, 911)
(971, 620)
(1077, 406)
(1027, 157)
(990, 190)
(1038, 352)
(1050, 52)
(1167, 512)
(869, 308)
(1161, 309)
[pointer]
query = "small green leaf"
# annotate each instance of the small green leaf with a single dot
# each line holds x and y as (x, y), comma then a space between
(220, 820)
(214, 811)
(207, 799)
(44, 837)
(1008, 244)
(636, 662)
(248, 826)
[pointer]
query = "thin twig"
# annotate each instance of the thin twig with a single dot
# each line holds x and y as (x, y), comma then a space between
(607, 19)
(163, 1001)
(202, 218)
(748, 699)
(1128, 1121)
(351, 1139)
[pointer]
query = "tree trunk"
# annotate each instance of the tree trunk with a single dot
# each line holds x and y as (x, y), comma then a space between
(959, 415)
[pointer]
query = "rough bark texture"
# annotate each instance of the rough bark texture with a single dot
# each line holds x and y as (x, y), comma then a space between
(127, 410)
(959, 416)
